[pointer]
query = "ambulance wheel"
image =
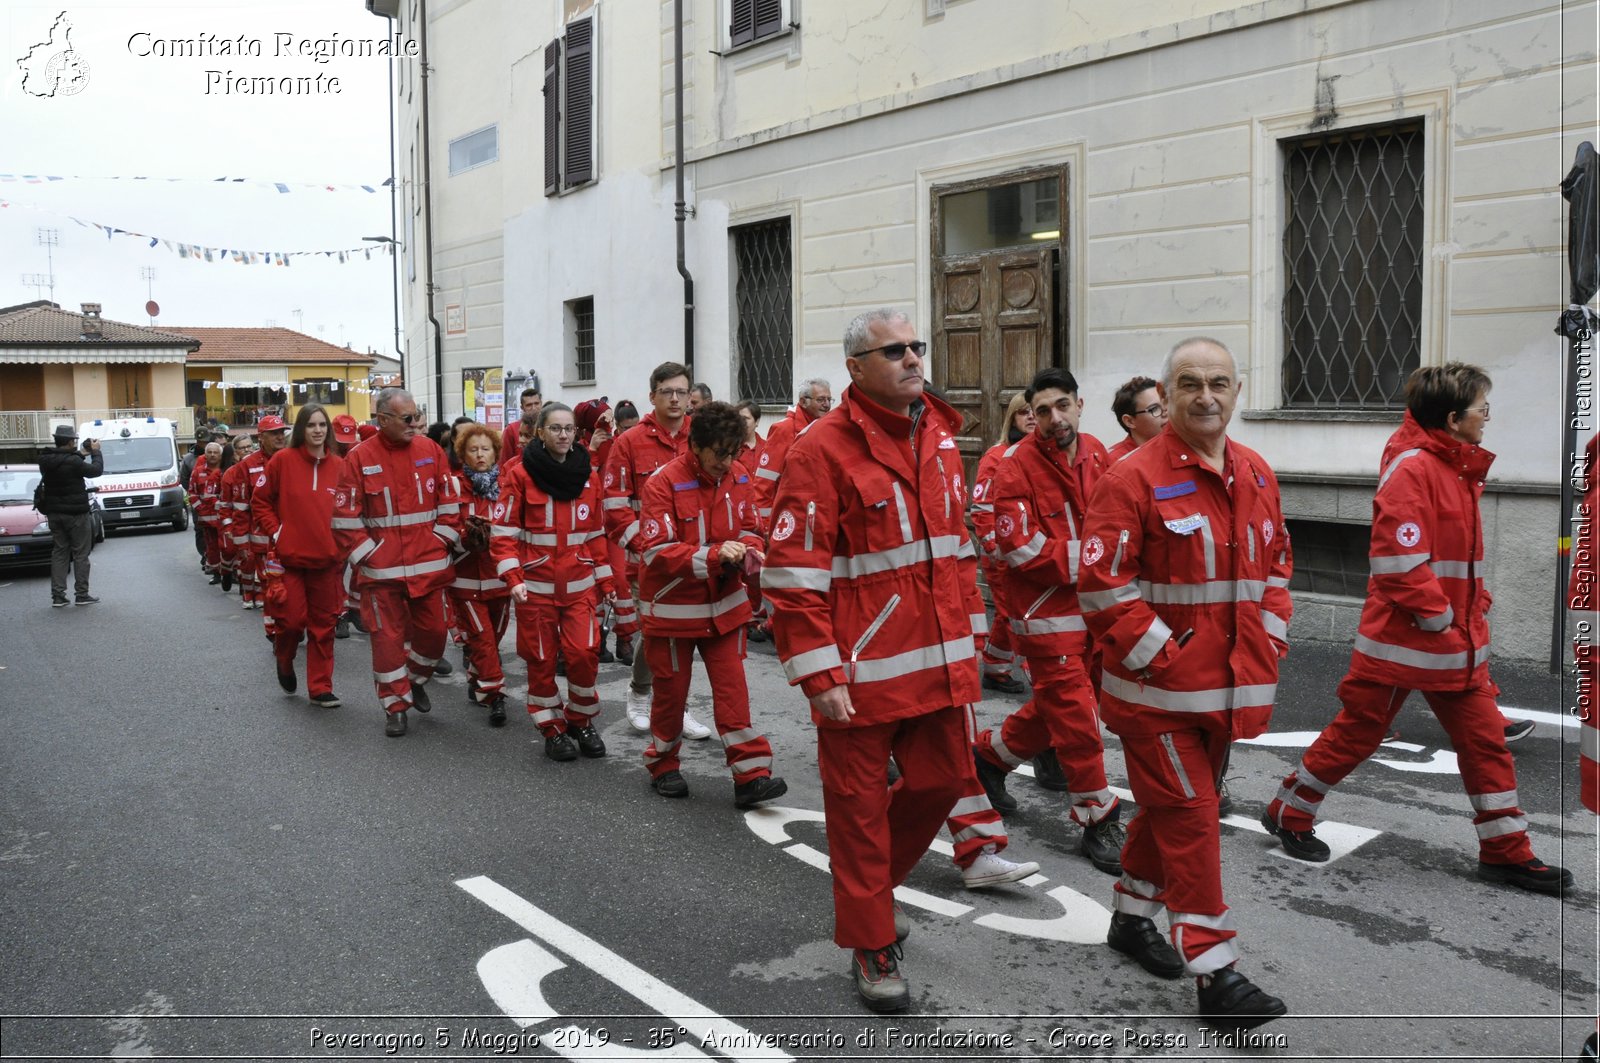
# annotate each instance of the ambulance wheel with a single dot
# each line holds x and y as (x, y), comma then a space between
(181, 521)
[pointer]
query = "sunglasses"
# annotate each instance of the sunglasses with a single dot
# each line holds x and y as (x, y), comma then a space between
(896, 352)
(408, 418)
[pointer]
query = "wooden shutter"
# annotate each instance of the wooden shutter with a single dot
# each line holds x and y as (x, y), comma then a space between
(552, 118)
(578, 75)
(769, 17)
(742, 27)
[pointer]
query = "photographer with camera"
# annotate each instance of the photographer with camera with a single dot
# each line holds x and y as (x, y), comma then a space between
(66, 504)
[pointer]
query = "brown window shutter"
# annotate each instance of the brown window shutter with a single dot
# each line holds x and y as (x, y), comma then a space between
(552, 119)
(769, 17)
(578, 75)
(742, 28)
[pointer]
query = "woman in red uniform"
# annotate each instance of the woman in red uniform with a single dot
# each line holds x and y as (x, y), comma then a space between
(237, 556)
(479, 598)
(549, 547)
(294, 510)
(205, 487)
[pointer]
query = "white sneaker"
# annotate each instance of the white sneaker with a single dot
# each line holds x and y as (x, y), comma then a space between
(693, 729)
(991, 869)
(639, 710)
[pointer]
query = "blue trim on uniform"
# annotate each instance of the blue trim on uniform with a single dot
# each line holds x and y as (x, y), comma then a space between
(1177, 490)
(689, 485)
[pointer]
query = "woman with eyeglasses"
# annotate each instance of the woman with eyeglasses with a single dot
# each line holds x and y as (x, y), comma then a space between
(549, 548)
(294, 509)
(480, 601)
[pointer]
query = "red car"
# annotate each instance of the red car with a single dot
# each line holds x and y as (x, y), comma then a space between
(24, 532)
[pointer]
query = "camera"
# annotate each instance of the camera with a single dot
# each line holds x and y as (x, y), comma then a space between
(88, 445)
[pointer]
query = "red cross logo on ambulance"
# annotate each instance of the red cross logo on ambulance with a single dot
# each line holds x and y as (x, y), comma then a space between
(784, 528)
(1093, 550)
(1408, 534)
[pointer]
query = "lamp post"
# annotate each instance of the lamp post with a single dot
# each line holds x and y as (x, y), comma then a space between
(395, 246)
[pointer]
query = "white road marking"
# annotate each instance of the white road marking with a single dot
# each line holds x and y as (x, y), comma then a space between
(512, 975)
(1082, 921)
(700, 1020)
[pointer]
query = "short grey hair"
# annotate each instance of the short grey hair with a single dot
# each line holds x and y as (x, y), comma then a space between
(388, 397)
(808, 388)
(1183, 345)
(855, 334)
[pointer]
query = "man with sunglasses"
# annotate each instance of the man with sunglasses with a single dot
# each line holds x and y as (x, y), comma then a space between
(815, 399)
(659, 437)
(874, 588)
(1138, 408)
(397, 519)
(1425, 627)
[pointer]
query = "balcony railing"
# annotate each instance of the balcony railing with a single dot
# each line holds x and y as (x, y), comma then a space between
(38, 426)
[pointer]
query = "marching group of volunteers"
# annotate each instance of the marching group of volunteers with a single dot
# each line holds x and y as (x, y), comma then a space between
(1144, 588)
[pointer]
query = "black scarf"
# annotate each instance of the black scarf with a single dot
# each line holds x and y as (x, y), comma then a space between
(1015, 434)
(561, 480)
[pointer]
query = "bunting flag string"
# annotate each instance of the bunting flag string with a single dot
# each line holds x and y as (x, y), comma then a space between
(281, 187)
(284, 385)
(215, 254)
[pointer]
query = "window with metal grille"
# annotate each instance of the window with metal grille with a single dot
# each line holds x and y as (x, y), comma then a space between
(325, 392)
(580, 340)
(764, 303)
(1352, 255)
(1330, 558)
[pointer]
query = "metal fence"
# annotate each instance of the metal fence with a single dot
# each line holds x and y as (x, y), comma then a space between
(38, 426)
(764, 297)
(1352, 251)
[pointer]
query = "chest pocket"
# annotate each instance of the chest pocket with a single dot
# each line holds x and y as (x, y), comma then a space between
(881, 517)
(379, 498)
(690, 518)
(1184, 536)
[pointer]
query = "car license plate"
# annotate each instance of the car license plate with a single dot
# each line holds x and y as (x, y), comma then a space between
(10, 549)
(129, 515)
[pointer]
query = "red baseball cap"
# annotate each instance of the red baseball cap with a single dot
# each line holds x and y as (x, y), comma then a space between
(366, 430)
(271, 423)
(344, 429)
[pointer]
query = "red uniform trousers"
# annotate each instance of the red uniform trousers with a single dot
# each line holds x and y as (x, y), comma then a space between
(1173, 858)
(1477, 732)
(998, 652)
(746, 750)
(973, 821)
(407, 636)
(313, 598)
(247, 570)
(543, 628)
(453, 622)
(1060, 715)
(877, 833)
(211, 535)
(483, 624)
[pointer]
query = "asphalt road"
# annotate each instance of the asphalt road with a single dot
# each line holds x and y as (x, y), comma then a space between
(194, 864)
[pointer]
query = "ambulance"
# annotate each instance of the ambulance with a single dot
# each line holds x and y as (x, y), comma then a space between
(140, 483)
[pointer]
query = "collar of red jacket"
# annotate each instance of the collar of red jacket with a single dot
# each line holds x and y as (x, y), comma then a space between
(801, 416)
(1087, 448)
(654, 427)
(888, 433)
(1467, 458)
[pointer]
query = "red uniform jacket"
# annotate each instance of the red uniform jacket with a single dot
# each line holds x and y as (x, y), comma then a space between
(254, 476)
(557, 548)
(476, 576)
(870, 571)
(294, 508)
(397, 516)
(233, 505)
(685, 517)
(1121, 449)
(1171, 545)
(769, 466)
(981, 509)
(1425, 624)
(635, 455)
(510, 445)
(1039, 504)
(205, 485)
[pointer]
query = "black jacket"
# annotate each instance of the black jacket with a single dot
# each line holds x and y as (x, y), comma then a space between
(64, 471)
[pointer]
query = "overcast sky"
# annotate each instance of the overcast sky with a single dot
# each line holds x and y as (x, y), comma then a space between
(163, 116)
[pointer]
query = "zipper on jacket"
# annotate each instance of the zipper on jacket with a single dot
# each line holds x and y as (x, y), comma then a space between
(1177, 765)
(700, 522)
(945, 483)
(388, 502)
(811, 521)
(728, 498)
(316, 466)
(673, 583)
(1116, 558)
(872, 630)
(1037, 602)
(905, 515)
(418, 480)
(1250, 538)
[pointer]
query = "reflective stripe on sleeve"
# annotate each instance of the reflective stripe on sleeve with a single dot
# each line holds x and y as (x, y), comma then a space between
(1276, 626)
(808, 579)
(1397, 564)
(767, 474)
(347, 524)
(821, 659)
(1149, 644)
(615, 503)
(1026, 552)
(506, 566)
(1440, 622)
(1452, 569)
(1094, 601)
(699, 563)
(1050, 625)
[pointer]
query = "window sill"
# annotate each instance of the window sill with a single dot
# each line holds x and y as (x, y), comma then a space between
(739, 49)
(1296, 414)
(579, 383)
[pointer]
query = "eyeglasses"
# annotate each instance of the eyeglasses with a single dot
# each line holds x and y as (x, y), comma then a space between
(1155, 410)
(896, 352)
(408, 418)
(673, 393)
(561, 429)
(724, 455)
(1484, 408)
(820, 403)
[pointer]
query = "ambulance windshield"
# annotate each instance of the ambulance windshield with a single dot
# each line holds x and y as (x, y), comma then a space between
(140, 454)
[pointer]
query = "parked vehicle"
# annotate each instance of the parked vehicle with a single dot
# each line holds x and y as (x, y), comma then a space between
(140, 484)
(24, 531)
